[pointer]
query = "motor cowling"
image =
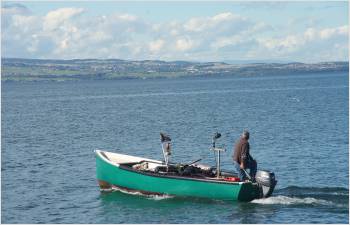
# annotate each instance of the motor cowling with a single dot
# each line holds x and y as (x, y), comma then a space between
(266, 181)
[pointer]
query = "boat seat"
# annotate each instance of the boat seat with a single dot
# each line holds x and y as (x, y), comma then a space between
(121, 158)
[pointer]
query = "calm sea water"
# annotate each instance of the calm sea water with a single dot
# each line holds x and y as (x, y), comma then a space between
(298, 124)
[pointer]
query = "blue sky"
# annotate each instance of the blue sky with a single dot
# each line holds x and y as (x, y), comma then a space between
(197, 31)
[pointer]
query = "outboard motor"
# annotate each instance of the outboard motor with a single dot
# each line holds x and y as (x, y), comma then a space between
(266, 181)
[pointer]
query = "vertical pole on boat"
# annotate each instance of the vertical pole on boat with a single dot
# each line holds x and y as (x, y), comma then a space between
(217, 152)
(166, 147)
(218, 165)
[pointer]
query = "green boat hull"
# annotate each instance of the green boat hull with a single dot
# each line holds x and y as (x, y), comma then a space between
(109, 174)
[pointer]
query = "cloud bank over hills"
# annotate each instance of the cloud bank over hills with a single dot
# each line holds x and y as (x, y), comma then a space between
(67, 33)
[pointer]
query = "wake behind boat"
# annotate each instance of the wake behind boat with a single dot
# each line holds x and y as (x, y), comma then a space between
(150, 176)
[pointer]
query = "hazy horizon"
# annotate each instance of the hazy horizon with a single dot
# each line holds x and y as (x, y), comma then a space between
(192, 61)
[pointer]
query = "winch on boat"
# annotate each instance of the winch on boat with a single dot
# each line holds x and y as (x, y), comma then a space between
(190, 179)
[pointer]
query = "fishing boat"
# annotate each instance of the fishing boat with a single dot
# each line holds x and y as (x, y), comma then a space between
(149, 176)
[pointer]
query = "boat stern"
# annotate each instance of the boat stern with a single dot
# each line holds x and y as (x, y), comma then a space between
(248, 192)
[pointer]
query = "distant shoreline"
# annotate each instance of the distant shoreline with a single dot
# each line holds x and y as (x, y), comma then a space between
(33, 70)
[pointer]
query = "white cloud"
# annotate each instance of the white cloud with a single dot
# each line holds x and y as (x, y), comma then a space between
(184, 44)
(127, 17)
(288, 43)
(310, 34)
(313, 34)
(330, 32)
(313, 44)
(195, 24)
(344, 30)
(55, 18)
(156, 46)
(25, 23)
(71, 33)
(226, 22)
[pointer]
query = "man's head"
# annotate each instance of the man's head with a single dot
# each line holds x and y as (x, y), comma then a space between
(245, 134)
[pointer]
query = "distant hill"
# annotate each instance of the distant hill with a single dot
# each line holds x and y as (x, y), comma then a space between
(13, 69)
(255, 61)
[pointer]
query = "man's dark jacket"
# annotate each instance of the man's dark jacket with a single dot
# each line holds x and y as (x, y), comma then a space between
(241, 152)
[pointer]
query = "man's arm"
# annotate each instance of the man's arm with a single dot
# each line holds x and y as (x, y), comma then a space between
(244, 155)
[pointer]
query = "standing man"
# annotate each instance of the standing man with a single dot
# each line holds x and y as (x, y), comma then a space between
(242, 160)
